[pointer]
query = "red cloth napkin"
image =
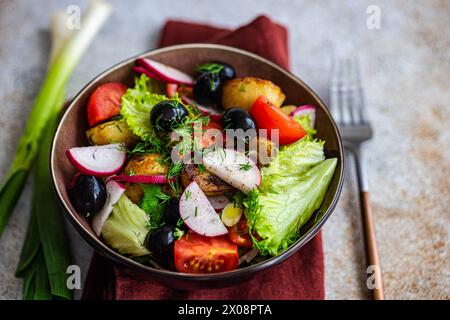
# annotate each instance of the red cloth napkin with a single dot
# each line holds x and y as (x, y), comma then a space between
(300, 277)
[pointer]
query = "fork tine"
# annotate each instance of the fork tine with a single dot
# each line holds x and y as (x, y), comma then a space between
(359, 93)
(335, 92)
(332, 89)
(346, 93)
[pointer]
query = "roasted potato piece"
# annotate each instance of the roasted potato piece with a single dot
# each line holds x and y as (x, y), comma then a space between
(134, 192)
(114, 131)
(287, 110)
(210, 184)
(145, 164)
(265, 150)
(243, 92)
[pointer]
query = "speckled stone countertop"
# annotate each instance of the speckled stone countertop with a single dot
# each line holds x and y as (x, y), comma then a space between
(406, 70)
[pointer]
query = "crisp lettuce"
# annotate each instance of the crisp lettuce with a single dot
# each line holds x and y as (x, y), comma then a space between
(137, 103)
(292, 161)
(126, 228)
(293, 187)
(305, 122)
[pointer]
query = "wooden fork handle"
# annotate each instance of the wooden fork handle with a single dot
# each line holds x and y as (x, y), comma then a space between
(375, 280)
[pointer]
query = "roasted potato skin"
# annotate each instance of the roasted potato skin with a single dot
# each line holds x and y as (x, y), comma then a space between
(265, 150)
(243, 92)
(287, 110)
(210, 184)
(114, 131)
(145, 164)
(134, 192)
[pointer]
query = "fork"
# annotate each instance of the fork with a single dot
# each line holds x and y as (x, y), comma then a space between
(347, 106)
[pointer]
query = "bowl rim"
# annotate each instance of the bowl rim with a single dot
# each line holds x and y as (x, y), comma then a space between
(109, 253)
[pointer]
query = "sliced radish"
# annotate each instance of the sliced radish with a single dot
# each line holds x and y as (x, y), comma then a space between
(305, 110)
(212, 112)
(198, 213)
(233, 167)
(140, 178)
(219, 202)
(148, 73)
(114, 191)
(99, 161)
(171, 89)
(168, 74)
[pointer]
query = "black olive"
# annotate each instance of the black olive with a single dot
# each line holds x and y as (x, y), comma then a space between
(88, 194)
(207, 89)
(227, 73)
(172, 212)
(166, 115)
(237, 118)
(160, 244)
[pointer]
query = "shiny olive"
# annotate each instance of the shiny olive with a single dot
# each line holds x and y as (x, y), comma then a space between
(167, 115)
(172, 212)
(227, 73)
(207, 88)
(237, 118)
(87, 194)
(160, 244)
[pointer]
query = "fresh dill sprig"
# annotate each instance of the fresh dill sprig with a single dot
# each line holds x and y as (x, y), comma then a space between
(210, 67)
(245, 166)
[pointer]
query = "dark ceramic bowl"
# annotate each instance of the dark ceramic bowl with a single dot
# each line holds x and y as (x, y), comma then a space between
(73, 124)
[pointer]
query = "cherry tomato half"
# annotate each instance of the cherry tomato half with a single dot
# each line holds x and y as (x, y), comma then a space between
(199, 254)
(240, 235)
(268, 116)
(104, 103)
(209, 136)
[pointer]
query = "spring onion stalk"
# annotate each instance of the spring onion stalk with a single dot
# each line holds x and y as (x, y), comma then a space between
(45, 253)
(45, 104)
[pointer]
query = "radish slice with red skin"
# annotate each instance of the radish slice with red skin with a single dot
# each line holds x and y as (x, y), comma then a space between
(99, 161)
(213, 113)
(304, 110)
(144, 179)
(233, 167)
(114, 191)
(147, 73)
(165, 72)
(171, 89)
(219, 202)
(198, 213)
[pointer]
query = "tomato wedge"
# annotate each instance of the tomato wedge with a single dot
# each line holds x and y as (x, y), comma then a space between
(268, 116)
(171, 89)
(104, 102)
(240, 235)
(209, 137)
(199, 254)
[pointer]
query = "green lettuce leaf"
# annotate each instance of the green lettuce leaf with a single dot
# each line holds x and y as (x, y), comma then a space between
(305, 122)
(126, 228)
(292, 161)
(137, 103)
(293, 187)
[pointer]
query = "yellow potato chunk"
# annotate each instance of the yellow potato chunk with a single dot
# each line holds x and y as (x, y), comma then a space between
(243, 92)
(114, 131)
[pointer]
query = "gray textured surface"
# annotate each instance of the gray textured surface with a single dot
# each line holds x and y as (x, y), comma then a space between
(406, 73)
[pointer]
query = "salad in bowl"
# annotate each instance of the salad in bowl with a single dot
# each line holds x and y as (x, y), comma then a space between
(197, 172)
